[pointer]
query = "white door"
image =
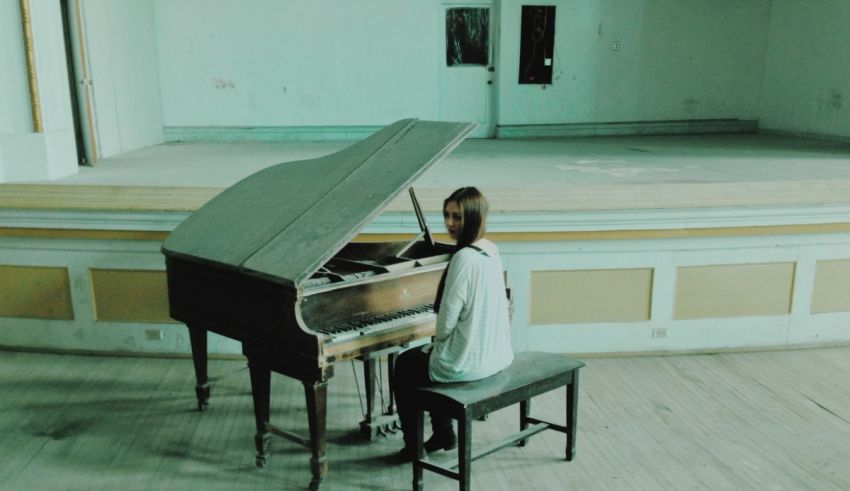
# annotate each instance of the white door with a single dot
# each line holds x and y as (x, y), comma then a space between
(466, 79)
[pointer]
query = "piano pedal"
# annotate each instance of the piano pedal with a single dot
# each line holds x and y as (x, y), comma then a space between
(383, 425)
(388, 429)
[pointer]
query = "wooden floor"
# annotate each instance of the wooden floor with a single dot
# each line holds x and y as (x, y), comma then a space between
(764, 421)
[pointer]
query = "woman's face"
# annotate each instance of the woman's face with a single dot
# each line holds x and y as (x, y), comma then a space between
(453, 216)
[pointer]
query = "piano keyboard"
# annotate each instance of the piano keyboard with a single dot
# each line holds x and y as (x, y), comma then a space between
(353, 329)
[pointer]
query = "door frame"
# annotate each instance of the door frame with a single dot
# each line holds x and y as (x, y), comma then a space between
(492, 89)
(79, 71)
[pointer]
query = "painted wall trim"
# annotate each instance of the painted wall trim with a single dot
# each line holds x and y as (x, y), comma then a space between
(599, 224)
(683, 127)
(126, 225)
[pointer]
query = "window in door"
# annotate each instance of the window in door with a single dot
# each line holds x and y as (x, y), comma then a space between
(467, 36)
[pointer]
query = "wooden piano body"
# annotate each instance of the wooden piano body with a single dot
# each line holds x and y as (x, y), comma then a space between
(270, 262)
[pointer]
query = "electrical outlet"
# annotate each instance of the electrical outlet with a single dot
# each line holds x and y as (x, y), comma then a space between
(616, 45)
(659, 332)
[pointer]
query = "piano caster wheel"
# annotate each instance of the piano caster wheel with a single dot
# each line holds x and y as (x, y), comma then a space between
(202, 394)
(260, 461)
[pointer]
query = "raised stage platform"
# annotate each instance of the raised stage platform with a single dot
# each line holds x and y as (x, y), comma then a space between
(611, 244)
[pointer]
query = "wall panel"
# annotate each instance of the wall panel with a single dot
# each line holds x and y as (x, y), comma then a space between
(130, 296)
(832, 287)
(35, 292)
(605, 295)
(733, 290)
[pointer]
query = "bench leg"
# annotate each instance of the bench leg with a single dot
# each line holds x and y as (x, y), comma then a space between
(418, 426)
(572, 415)
(464, 453)
(524, 412)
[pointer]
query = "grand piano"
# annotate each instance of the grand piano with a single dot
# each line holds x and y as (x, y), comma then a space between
(270, 262)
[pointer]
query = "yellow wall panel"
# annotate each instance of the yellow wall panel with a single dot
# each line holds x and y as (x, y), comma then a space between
(583, 296)
(735, 290)
(832, 287)
(130, 296)
(35, 292)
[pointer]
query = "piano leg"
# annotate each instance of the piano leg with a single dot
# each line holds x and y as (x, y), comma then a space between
(317, 399)
(260, 390)
(198, 340)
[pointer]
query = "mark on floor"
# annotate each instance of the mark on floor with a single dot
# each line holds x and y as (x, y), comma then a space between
(613, 171)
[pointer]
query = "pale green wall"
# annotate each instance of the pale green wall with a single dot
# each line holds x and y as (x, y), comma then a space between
(120, 49)
(304, 62)
(14, 97)
(677, 60)
(274, 63)
(807, 78)
(338, 62)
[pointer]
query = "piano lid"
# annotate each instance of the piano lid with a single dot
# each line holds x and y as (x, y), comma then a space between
(287, 220)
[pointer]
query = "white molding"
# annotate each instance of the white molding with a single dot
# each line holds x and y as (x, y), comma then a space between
(398, 222)
(590, 221)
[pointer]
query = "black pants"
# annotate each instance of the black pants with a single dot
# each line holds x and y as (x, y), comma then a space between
(411, 371)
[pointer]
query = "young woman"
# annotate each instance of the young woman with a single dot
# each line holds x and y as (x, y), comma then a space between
(472, 335)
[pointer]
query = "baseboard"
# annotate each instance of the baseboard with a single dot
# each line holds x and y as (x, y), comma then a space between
(349, 133)
(227, 134)
(710, 351)
(808, 136)
(683, 127)
(117, 354)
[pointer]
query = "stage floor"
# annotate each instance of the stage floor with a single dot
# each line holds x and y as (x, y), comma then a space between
(519, 175)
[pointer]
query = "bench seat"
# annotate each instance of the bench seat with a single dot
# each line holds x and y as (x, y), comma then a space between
(530, 374)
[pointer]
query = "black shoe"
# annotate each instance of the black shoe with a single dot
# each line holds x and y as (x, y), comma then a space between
(441, 441)
(405, 455)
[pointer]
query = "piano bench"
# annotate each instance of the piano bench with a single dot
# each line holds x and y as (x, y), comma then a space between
(530, 374)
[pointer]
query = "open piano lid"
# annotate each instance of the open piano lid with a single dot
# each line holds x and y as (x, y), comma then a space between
(286, 221)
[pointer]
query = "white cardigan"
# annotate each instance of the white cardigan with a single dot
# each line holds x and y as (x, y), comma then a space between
(473, 331)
